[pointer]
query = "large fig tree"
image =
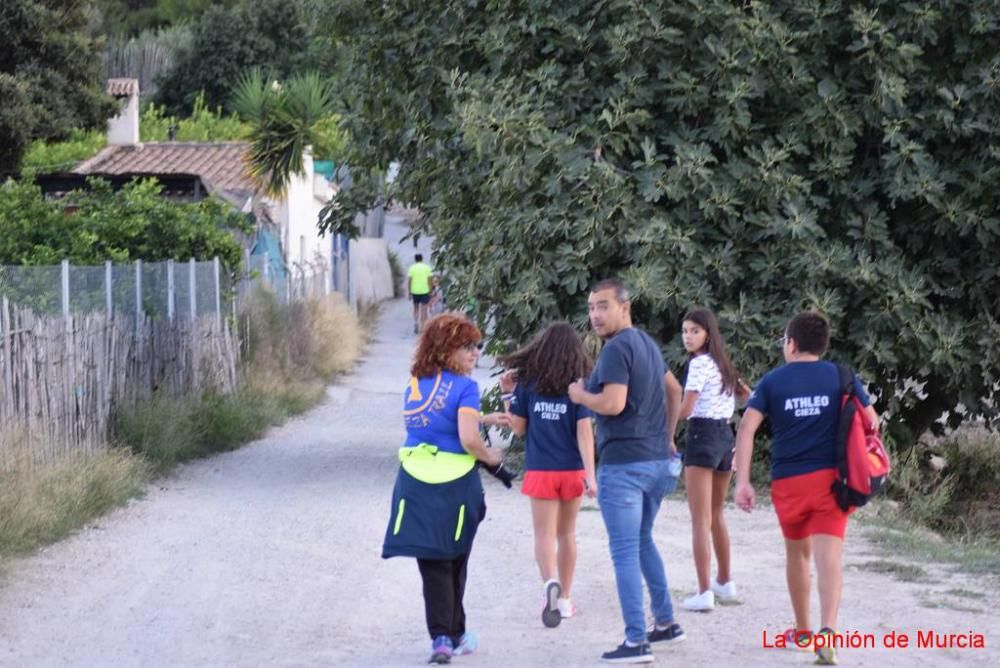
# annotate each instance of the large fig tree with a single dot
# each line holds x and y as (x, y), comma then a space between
(754, 157)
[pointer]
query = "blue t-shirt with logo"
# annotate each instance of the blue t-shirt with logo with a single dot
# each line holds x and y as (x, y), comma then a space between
(802, 402)
(431, 406)
(639, 432)
(550, 443)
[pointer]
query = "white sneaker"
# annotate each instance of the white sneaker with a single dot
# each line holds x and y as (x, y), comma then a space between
(566, 608)
(702, 602)
(725, 593)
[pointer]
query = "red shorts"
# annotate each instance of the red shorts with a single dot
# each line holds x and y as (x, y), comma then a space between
(805, 505)
(564, 485)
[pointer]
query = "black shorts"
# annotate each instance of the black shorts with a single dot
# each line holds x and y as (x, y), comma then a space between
(422, 299)
(709, 444)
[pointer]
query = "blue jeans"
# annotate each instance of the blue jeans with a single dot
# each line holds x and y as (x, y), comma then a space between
(629, 496)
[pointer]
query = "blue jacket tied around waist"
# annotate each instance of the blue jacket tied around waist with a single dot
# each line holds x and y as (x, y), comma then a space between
(437, 505)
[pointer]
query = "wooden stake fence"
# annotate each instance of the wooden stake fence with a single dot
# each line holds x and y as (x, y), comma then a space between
(63, 377)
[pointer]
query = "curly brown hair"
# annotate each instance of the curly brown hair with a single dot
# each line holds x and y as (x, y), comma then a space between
(554, 359)
(442, 336)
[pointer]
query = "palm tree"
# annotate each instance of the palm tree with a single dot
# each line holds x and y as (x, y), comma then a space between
(285, 119)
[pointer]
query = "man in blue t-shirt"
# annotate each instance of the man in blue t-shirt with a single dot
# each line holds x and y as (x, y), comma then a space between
(627, 392)
(802, 400)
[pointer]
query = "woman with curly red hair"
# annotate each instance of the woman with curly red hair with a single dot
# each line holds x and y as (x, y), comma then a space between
(438, 500)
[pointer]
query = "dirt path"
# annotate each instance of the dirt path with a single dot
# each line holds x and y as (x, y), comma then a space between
(269, 556)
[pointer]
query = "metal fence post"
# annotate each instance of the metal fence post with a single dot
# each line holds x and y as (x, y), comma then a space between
(171, 291)
(138, 290)
(350, 281)
(108, 298)
(65, 288)
(218, 291)
(193, 286)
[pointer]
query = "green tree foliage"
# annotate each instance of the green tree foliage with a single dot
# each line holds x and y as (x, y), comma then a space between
(284, 120)
(202, 125)
(131, 17)
(134, 223)
(754, 157)
(275, 35)
(49, 83)
(62, 156)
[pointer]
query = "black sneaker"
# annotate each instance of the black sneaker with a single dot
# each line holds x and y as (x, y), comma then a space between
(668, 636)
(625, 654)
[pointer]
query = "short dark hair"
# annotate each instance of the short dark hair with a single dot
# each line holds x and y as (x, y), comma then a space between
(419, 257)
(811, 331)
(621, 290)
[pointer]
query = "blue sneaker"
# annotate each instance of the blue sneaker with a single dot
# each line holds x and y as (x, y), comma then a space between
(441, 650)
(624, 654)
(673, 633)
(468, 644)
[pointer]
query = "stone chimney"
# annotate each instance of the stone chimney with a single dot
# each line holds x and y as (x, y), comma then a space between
(123, 129)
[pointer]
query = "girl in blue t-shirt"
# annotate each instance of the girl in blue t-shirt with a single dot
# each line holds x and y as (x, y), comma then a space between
(559, 452)
(710, 392)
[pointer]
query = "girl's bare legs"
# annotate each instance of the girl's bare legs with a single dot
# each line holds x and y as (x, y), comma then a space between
(720, 532)
(566, 537)
(544, 518)
(698, 483)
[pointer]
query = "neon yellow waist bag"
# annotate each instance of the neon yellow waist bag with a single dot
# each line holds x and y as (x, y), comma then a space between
(428, 463)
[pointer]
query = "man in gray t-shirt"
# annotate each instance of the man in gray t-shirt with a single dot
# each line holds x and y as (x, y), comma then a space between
(627, 392)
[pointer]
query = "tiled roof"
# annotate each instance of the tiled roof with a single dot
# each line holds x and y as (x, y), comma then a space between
(220, 165)
(123, 87)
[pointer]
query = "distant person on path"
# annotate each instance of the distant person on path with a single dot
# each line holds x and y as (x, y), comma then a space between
(628, 394)
(419, 288)
(438, 499)
(558, 453)
(708, 406)
(802, 401)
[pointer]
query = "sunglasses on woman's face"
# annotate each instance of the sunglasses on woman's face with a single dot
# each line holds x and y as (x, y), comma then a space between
(469, 347)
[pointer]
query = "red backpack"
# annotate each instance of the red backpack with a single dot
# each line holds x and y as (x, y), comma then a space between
(862, 460)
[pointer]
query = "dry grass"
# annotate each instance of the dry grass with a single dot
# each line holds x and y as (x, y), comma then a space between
(316, 339)
(40, 504)
(337, 334)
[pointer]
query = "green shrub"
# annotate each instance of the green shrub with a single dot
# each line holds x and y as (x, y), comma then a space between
(203, 125)
(62, 156)
(923, 494)
(952, 484)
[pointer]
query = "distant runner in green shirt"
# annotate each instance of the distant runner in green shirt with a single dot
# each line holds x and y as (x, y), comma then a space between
(420, 291)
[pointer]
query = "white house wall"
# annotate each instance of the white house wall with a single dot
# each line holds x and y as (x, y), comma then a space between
(299, 214)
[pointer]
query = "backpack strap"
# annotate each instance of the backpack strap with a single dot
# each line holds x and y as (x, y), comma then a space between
(847, 411)
(846, 379)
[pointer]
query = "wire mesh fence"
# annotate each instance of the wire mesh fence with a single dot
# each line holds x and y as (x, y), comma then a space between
(172, 290)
